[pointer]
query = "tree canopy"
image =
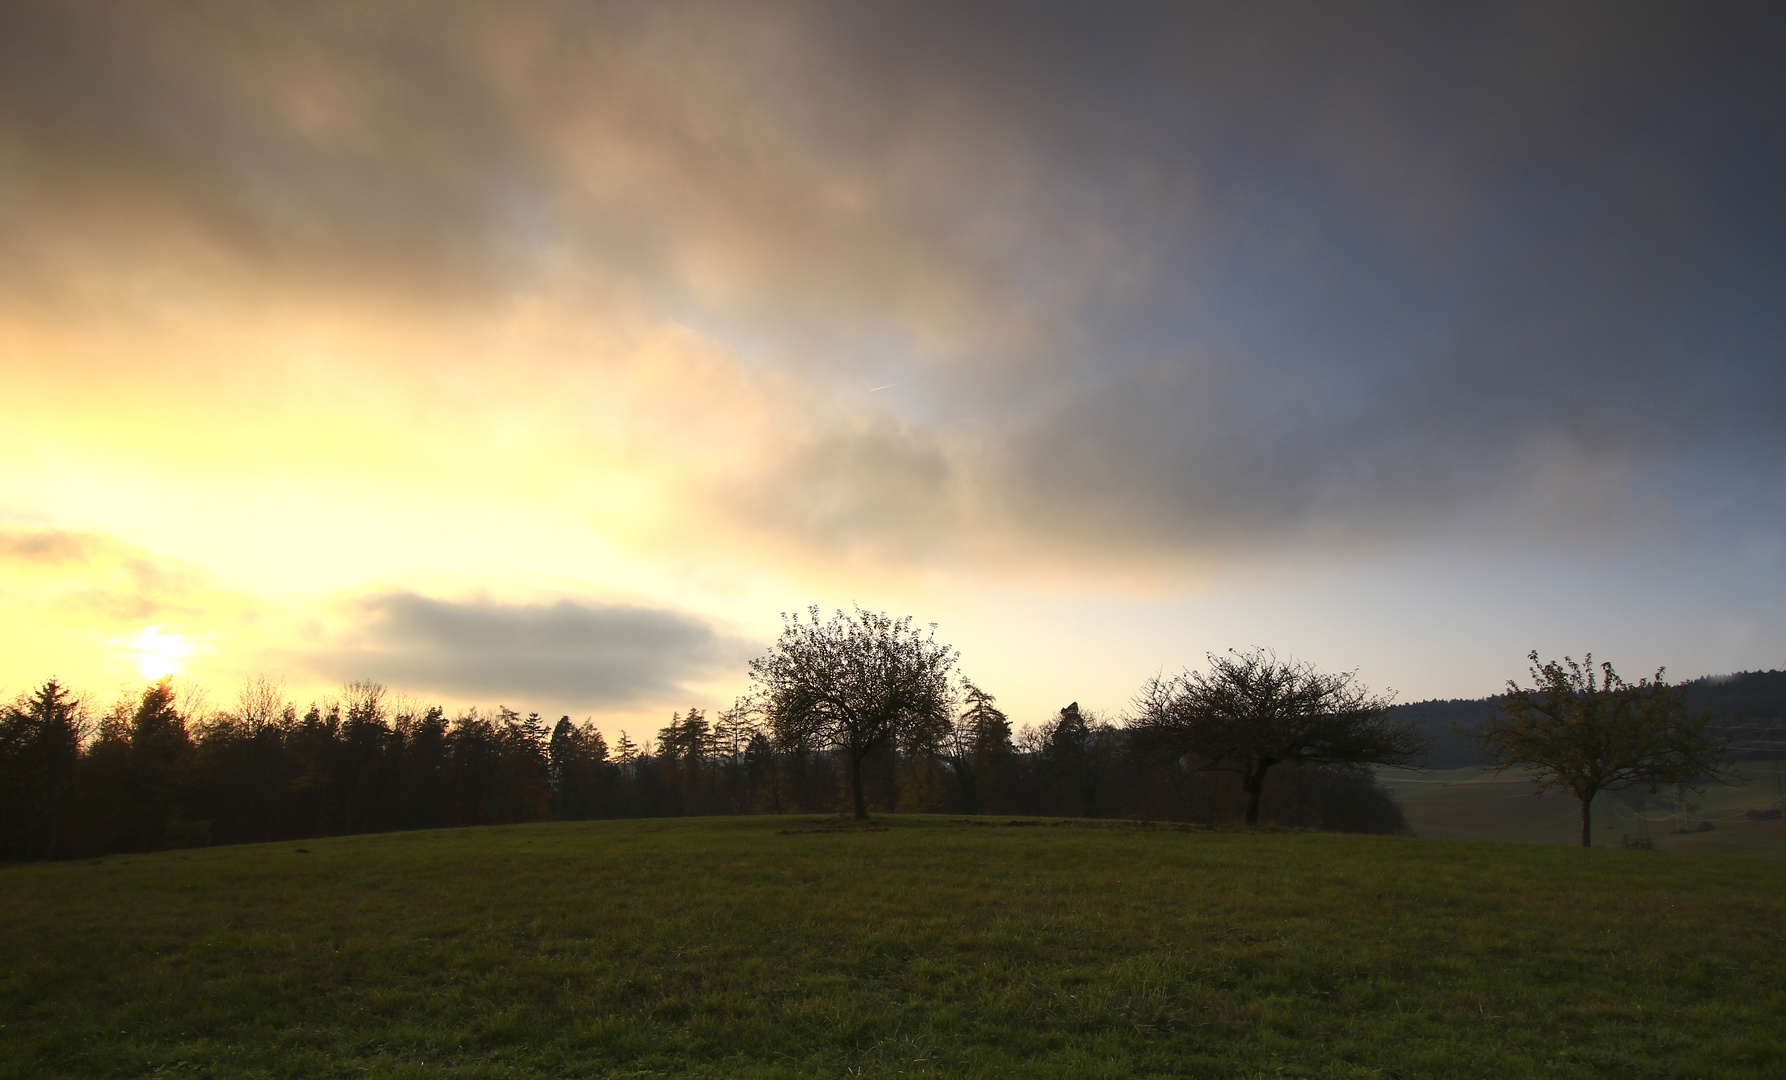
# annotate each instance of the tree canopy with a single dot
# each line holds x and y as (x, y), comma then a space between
(1252, 711)
(1586, 731)
(40, 746)
(855, 683)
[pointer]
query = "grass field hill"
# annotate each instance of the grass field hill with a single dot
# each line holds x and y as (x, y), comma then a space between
(914, 946)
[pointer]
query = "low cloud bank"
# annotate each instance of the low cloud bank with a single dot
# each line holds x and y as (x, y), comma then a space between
(568, 650)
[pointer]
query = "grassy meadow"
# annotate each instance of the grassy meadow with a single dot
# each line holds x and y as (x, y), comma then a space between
(920, 946)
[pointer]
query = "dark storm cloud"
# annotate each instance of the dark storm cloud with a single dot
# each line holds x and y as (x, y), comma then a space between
(1387, 269)
(459, 153)
(587, 653)
(1187, 277)
(289, 144)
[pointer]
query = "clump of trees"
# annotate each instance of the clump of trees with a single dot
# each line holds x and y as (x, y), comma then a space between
(859, 713)
(159, 773)
(1585, 730)
(155, 771)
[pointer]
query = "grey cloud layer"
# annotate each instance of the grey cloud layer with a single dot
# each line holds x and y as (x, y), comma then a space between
(570, 651)
(1200, 277)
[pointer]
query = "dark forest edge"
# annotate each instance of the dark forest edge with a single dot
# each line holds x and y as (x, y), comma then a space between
(154, 772)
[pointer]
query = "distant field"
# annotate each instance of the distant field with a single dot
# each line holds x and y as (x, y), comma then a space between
(1475, 804)
(806, 947)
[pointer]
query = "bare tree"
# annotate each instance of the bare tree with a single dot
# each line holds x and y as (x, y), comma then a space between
(365, 701)
(261, 703)
(1586, 733)
(853, 684)
(1253, 711)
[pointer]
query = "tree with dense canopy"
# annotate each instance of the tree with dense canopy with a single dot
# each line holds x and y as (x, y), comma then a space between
(1586, 733)
(854, 684)
(1253, 711)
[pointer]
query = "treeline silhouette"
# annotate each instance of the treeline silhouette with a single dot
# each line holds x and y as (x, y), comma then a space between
(155, 772)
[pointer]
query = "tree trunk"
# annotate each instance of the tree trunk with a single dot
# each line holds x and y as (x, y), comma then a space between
(893, 780)
(56, 805)
(856, 787)
(1253, 782)
(1587, 836)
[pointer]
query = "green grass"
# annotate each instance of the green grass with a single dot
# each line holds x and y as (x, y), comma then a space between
(785, 947)
(1477, 804)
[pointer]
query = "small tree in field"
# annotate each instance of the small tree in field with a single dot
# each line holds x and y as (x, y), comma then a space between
(1586, 733)
(1252, 711)
(853, 684)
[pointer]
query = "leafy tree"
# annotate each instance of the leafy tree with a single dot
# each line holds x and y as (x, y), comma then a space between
(684, 750)
(854, 684)
(626, 752)
(1587, 732)
(160, 747)
(577, 757)
(763, 772)
(40, 746)
(104, 817)
(360, 757)
(974, 744)
(426, 763)
(561, 749)
(311, 747)
(1253, 711)
(522, 787)
(1074, 753)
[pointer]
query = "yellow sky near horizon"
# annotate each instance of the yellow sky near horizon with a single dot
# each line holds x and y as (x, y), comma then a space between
(228, 489)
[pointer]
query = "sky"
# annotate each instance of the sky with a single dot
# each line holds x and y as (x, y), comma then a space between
(544, 354)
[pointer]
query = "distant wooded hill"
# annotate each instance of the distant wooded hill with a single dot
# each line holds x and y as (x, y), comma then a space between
(1754, 700)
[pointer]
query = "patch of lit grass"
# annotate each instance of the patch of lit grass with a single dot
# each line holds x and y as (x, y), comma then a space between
(781, 947)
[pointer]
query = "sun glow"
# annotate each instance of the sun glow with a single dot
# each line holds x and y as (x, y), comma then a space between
(160, 653)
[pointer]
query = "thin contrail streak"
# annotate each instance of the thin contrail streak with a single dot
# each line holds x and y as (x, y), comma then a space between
(872, 389)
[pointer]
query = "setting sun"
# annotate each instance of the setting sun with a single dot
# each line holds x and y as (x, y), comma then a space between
(160, 653)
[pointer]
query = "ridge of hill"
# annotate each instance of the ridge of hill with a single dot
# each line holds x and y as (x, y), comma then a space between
(1753, 701)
